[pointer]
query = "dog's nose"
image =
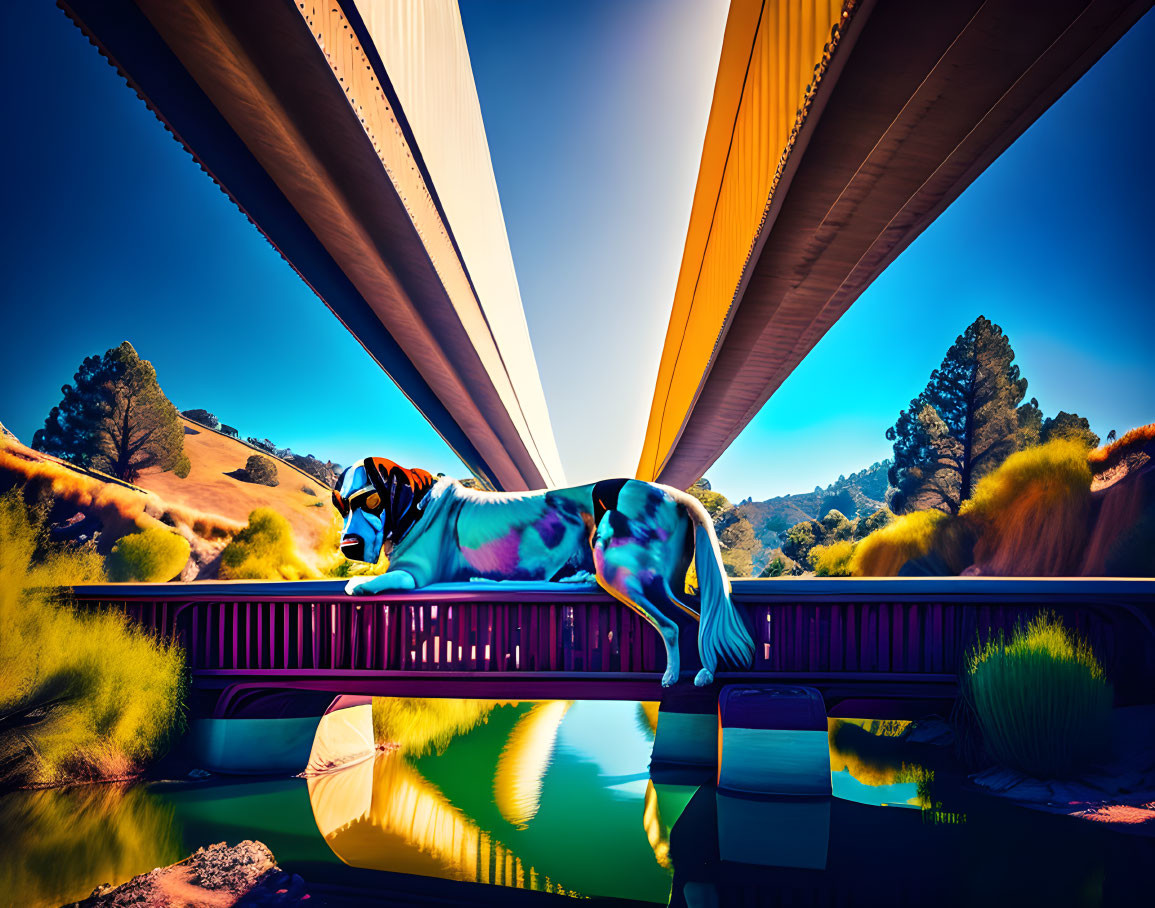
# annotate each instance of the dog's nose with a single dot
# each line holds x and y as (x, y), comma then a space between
(353, 547)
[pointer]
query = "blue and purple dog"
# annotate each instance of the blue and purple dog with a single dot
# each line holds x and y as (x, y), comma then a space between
(636, 538)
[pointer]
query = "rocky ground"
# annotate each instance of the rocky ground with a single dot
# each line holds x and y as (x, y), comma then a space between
(218, 876)
(1120, 792)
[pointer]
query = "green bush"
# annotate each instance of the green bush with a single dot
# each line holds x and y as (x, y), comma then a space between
(832, 560)
(1041, 700)
(148, 556)
(263, 550)
(261, 470)
(864, 526)
(82, 695)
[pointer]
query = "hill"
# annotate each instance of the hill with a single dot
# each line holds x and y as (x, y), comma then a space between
(856, 495)
(215, 485)
(207, 507)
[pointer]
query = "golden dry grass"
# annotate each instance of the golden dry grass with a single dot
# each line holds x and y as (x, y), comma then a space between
(209, 488)
(1032, 513)
(885, 551)
(121, 508)
(1107, 456)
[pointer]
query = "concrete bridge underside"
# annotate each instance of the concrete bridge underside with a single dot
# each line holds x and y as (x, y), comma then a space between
(838, 133)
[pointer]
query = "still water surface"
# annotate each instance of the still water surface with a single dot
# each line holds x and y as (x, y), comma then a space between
(557, 797)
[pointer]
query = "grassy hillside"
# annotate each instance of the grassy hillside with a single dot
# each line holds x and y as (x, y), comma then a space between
(214, 486)
(207, 507)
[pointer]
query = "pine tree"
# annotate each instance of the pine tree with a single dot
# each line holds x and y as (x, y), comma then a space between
(116, 419)
(963, 425)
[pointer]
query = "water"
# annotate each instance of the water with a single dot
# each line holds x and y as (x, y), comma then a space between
(557, 797)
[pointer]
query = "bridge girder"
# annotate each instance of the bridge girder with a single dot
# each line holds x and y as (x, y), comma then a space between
(289, 108)
(797, 212)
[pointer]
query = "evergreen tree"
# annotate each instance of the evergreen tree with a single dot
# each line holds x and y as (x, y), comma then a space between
(1070, 426)
(963, 425)
(116, 419)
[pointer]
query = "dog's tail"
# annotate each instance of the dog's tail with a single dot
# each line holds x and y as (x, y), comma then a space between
(722, 635)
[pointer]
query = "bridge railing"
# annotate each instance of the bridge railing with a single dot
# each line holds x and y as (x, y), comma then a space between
(800, 627)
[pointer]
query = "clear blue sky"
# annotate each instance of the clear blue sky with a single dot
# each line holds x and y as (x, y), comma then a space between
(595, 112)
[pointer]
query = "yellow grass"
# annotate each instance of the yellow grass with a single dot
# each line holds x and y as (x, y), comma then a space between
(1032, 512)
(210, 488)
(1106, 456)
(81, 695)
(419, 726)
(832, 560)
(121, 508)
(885, 551)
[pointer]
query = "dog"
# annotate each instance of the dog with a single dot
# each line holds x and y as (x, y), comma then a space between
(635, 538)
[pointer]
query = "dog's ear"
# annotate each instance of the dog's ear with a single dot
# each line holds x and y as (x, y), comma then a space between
(400, 490)
(340, 503)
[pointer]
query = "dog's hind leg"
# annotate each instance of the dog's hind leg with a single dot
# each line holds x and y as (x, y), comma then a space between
(623, 571)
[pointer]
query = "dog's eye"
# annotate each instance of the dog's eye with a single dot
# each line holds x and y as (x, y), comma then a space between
(373, 502)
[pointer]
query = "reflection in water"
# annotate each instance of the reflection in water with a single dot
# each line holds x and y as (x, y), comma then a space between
(868, 765)
(557, 797)
(524, 760)
(421, 725)
(60, 843)
(382, 815)
(546, 796)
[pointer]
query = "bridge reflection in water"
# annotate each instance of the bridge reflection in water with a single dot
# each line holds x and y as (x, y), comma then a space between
(484, 811)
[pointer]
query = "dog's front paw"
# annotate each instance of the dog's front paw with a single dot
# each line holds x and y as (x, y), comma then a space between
(389, 582)
(579, 577)
(356, 586)
(704, 678)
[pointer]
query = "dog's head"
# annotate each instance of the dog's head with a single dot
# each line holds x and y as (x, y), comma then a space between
(380, 501)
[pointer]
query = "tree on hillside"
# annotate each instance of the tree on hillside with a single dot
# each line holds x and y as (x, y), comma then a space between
(1070, 426)
(204, 417)
(714, 502)
(115, 418)
(963, 425)
(1030, 428)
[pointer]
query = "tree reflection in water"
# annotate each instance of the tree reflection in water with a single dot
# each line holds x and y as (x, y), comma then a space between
(59, 843)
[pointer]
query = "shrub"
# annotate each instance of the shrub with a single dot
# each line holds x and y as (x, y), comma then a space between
(885, 551)
(1041, 700)
(800, 539)
(835, 527)
(263, 550)
(230, 431)
(82, 695)
(261, 470)
(1031, 513)
(204, 417)
(864, 526)
(777, 566)
(148, 556)
(832, 560)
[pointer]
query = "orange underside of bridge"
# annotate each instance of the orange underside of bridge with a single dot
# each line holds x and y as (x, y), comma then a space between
(836, 136)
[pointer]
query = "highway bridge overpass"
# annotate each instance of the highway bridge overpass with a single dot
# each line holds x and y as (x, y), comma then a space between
(350, 133)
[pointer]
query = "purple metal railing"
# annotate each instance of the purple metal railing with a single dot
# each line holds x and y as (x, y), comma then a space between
(799, 627)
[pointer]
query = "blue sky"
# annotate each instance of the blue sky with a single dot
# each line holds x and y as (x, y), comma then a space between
(595, 113)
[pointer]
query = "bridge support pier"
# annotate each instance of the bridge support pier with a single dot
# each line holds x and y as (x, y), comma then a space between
(279, 732)
(774, 784)
(687, 731)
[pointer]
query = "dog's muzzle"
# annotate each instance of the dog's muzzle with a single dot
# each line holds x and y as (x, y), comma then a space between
(353, 547)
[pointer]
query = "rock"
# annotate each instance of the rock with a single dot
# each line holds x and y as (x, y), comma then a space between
(218, 875)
